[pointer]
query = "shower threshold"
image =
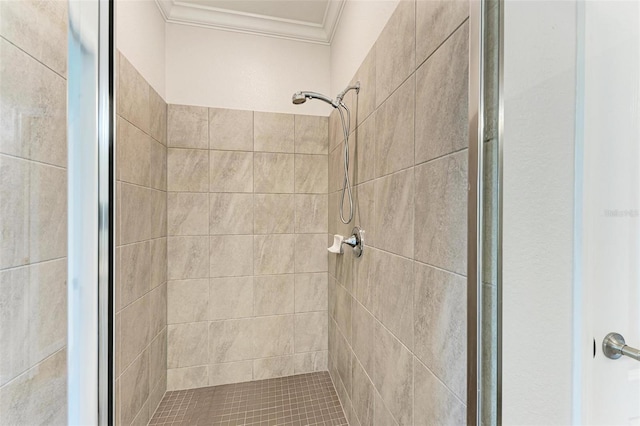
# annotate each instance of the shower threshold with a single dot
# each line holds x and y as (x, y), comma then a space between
(305, 399)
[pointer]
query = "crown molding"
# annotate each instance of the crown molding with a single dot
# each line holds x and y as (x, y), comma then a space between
(178, 12)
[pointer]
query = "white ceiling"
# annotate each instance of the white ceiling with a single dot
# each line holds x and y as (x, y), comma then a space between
(311, 21)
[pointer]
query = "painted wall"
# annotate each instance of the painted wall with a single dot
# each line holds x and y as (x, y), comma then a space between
(360, 25)
(140, 36)
(207, 67)
(539, 91)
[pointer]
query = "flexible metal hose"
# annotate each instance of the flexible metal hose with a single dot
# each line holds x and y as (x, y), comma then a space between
(346, 186)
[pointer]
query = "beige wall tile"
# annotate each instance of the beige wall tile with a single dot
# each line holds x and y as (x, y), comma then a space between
(158, 362)
(133, 95)
(230, 372)
(38, 396)
(158, 167)
(134, 388)
(158, 117)
(395, 50)
(231, 340)
(187, 344)
(311, 213)
(230, 297)
(158, 272)
(438, 405)
(394, 213)
(435, 21)
(134, 154)
(363, 335)
(267, 368)
(273, 336)
(187, 301)
(231, 255)
(395, 130)
(311, 253)
(311, 332)
(393, 375)
(363, 397)
(187, 127)
(157, 310)
(158, 213)
(443, 108)
(231, 213)
(440, 325)
(231, 171)
(274, 213)
(311, 174)
(187, 213)
(311, 134)
(364, 201)
(188, 257)
(33, 111)
(187, 170)
(274, 294)
(310, 362)
(311, 292)
(441, 213)
(273, 173)
(135, 214)
(343, 307)
(187, 378)
(135, 269)
(230, 129)
(14, 212)
(344, 365)
(273, 132)
(382, 416)
(135, 330)
(363, 146)
(366, 75)
(273, 254)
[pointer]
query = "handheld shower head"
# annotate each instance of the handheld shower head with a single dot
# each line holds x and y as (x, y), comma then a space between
(301, 97)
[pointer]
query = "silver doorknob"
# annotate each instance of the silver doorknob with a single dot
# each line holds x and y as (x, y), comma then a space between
(614, 347)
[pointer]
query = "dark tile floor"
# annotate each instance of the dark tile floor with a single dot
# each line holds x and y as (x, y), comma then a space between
(305, 399)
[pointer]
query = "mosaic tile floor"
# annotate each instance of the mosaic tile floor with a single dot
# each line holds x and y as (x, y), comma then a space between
(305, 399)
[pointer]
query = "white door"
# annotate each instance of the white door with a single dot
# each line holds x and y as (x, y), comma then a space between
(608, 203)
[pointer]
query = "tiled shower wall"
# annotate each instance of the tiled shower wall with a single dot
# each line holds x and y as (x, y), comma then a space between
(247, 261)
(33, 212)
(397, 327)
(141, 292)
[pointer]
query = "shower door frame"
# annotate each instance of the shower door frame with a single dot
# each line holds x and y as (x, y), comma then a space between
(477, 387)
(91, 207)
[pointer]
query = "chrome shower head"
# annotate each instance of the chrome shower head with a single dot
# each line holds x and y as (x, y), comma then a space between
(301, 97)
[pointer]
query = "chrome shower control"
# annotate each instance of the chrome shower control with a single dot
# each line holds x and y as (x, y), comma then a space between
(356, 241)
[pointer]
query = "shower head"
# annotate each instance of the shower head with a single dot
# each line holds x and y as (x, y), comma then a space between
(301, 97)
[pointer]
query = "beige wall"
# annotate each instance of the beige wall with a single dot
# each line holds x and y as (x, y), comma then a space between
(141, 290)
(247, 261)
(33, 212)
(397, 328)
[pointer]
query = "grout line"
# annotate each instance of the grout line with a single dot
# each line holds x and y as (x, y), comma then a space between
(34, 58)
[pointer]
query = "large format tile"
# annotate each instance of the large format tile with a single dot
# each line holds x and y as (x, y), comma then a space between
(310, 361)
(33, 110)
(39, 28)
(231, 213)
(273, 132)
(187, 301)
(158, 166)
(231, 171)
(134, 154)
(231, 255)
(395, 131)
(443, 108)
(158, 209)
(274, 294)
(394, 213)
(158, 361)
(311, 213)
(14, 212)
(363, 397)
(311, 253)
(135, 213)
(187, 213)
(435, 21)
(441, 213)
(230, 129)
(267, 368)
(366, 75)
(158, 118)
(395, 50)
(393, 375)
(133, 95)
(440, 325)
(187, 378)
(230, 372)
(33, 315)
(273, 173)
(135, 331)
(38, 396)
(311, 134)
(187, 344)
(274, 213)
(187, 170)
(311, 292)
(187, 127)
(311, 174)
(230, 297)
(274, 254)
(273, 336)
(435, 404)
(135, 270)
(231, 340)
(157, 310)
(363, 334)
(363, 146)
(187, 257)
(134, 388)
(311, 331)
